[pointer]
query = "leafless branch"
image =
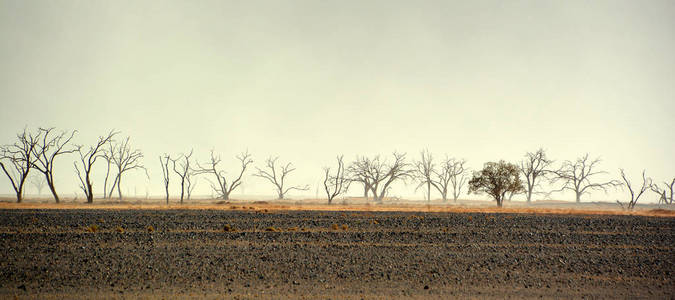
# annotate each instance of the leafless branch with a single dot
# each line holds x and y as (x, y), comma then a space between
(16, 160)
(635, 195)
(222, 186)
(87, 160)
(576, 176)
(49, 147)
(533, 167)
(337, 184)
(278, 177)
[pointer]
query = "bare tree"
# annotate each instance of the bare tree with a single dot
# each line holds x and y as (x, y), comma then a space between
(337, 184)
(37, 182)
(665, 193)
(359, 172)
(48, 148)
(378, 175)
(424, 172)
(181, 166)
(87, 160)
(124, 159)
(278, 177)
(496, 179)
(453, 170)
(17, 159)
(646, 184)
(222, 187)
(576, 176)
(164, 161)
(533, 167)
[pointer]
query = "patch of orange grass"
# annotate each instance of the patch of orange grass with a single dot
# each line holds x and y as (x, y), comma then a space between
(356, 207)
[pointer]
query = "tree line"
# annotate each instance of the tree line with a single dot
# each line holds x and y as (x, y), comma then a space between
(37, 150)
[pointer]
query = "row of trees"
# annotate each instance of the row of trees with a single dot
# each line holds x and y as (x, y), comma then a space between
(375, 175)
(498, 179)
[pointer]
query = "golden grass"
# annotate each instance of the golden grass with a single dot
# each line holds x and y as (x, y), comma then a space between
(278, 207)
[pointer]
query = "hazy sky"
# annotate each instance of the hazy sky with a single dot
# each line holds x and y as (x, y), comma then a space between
(307, 80)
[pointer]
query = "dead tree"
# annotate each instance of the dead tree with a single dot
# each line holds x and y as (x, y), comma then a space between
(278, 177)
(634, 195)
(665, 193)
(533, 167)
(50, 146)
(37, 182)
(87, 160)
(164, 161)
(123, 159)
(379, 175)
(668, 191)
(424, 173)
(454, 170)
(334, 185)
(358, 172)
(17, 160)
(222, 187)
(576, 176)
(181, 166)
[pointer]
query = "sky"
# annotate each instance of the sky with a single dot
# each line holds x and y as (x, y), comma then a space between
(308, 80)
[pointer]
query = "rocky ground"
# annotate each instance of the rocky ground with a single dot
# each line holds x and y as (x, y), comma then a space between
(252, 253)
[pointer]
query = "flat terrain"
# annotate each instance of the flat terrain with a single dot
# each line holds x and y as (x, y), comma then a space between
(278, 253)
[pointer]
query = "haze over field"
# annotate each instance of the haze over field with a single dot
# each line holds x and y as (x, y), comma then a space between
(308, 80)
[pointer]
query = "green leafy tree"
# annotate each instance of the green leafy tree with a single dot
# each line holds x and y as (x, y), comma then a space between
(497, 179)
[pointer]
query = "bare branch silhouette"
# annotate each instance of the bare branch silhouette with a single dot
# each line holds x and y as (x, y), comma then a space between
(87, 160)
(635, 194)
(377, 176)
(334, 185)
(16, 160)
(534, 167)
(278, 177)
(124, 159)
(48, 148)
(181, 166)
(222, 187)
(576, 176)
(164, 161)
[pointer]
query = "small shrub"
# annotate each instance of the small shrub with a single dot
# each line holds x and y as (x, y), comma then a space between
(470, 218)
(93, 228)
(233, 207)
(334, 226)
(151, 229)
(374, 222)
(345, 227)
(271, 228)
(292, 229)
(228, 228)
(119, 229)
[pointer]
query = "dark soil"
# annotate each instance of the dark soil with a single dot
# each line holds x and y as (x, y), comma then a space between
(280, 254)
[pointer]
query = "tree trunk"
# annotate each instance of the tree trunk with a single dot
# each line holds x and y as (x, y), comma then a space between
(90, 194)
(529, 196)
(578, 197)
(365, 192)
(19, 195)
(182, 192)
(119, 187)
(53, 189)
(428, 191)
